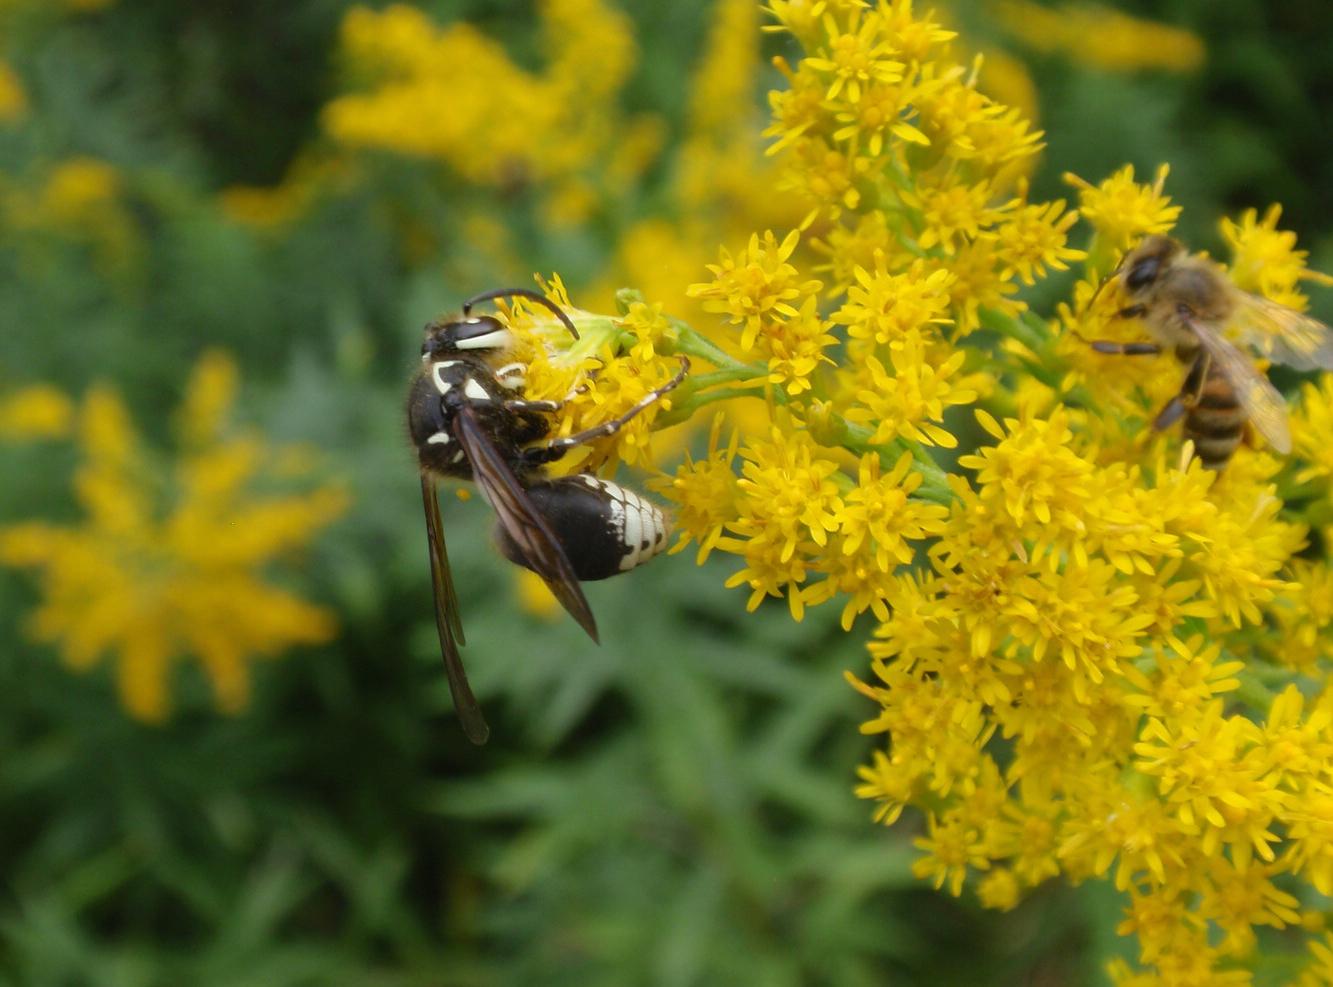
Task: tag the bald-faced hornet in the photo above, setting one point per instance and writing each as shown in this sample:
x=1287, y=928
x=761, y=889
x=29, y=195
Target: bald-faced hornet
x=468, y=423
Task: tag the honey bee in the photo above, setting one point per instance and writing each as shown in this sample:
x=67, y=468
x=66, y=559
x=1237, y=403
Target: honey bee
x=1190, y=307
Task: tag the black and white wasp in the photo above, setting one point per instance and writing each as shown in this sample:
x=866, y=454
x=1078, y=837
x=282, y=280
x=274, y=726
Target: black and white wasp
x=469, y=422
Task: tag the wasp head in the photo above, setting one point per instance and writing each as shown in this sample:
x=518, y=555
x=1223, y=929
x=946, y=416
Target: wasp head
x=479, y=332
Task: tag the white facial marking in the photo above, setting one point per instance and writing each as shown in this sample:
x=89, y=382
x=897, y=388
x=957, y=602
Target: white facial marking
x=439, y=438
x=496, y=340
x=475, y=391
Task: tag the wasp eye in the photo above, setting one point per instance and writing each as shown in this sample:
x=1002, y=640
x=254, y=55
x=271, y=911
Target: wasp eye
x=1143, y=274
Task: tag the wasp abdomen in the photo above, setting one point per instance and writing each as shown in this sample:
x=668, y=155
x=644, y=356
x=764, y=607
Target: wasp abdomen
x=603, y=528
x=1216, y=423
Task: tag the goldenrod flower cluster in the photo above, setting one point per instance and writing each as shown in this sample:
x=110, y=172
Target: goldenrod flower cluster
x=168, y=560
x=1093, y=658
x=452, y=94
x=615, y=363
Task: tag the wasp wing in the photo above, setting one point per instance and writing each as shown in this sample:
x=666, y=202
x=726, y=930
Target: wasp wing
x=447, y=620
x=1263, y=403
x=520, y=518
x=1281, y=333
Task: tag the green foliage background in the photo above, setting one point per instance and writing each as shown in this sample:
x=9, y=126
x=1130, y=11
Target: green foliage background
x=672, y=808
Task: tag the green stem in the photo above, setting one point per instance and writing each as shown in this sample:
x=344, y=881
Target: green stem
x=1007, y=325
x=693, y=344
x=857, y=438
x=935, y=483
x=683, y=410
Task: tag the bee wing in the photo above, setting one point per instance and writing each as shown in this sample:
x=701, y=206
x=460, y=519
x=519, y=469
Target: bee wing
x=1263, y=403
x=521, y=519
x=447, y=620
x=1281, y=333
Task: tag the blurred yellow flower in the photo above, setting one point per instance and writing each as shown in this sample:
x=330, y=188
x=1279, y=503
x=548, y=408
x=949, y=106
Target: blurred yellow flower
x=535, y=597
x=454, y=95
x=13, y=99
x=169, y=561
x=79, y=199
x=1100, y=36
x=36, y=412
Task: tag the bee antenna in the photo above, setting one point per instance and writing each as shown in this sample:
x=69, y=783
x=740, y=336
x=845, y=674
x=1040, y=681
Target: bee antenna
x=527, y=293
x=1100, y=284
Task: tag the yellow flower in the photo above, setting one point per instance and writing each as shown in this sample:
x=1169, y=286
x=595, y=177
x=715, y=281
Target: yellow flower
x=1032, y=239
x=853, y=58
x=612, y=367
x=494, y=123
x=1265, y=259
x=13, y=100
x=1312, y=432
x=149, y=577
x=952, y=210
x=1100, y=36
x=796, y=347
x=1122, y=211
x=534, y=596
x=1320, y=972
x=950, y=849
x=36, y=412
x=788, y=493
x=756, y=287
x=1034, y=469
x=911, y=401
x=1185, y=680
x=706, y=494
x=884, y=307
x=880, y=517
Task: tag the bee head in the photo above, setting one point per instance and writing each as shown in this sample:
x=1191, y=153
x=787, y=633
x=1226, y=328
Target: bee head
x=1146, y=262
x=478, y=332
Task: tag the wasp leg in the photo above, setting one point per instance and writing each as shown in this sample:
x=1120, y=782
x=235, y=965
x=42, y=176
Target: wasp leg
x=555, y=449
x=1125, y=349
x=1188, y=396
x=521, y=406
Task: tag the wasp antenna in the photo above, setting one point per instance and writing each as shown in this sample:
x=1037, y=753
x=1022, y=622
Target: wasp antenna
x=527, y=293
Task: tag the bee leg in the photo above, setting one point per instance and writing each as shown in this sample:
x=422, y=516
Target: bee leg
x=1188, y=396
x=1129, y=312
x=1170, y=414
x=558, y=447
x=1125, y=349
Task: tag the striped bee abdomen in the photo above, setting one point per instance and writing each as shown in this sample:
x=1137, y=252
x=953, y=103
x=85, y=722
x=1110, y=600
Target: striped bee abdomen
x=603, y=528
x=1216, y=422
